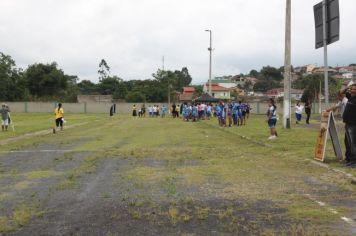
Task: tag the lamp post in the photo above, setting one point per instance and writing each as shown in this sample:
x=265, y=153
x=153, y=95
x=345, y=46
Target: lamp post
x=287, y=69
x=210, y=49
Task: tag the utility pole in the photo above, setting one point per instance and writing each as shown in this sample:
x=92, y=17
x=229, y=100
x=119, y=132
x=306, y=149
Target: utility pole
x=287, y=69
x=169, y=86
x=210, y=49
x=326, y=67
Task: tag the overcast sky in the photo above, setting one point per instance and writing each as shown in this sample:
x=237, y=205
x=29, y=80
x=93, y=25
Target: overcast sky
x=134, y=35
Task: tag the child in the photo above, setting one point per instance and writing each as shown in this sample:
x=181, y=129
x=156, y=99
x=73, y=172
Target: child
x=272, y=118
x=298, y=112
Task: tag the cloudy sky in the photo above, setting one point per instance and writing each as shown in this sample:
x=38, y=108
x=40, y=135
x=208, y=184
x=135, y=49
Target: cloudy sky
x=134, y=35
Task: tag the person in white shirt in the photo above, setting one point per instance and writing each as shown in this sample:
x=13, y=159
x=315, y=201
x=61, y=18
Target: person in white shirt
x=298, y=112
x=342, y=101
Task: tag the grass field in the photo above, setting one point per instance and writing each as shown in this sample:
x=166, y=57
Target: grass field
x=153, y=176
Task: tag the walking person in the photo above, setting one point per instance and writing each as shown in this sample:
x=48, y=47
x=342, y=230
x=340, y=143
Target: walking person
x=308, y=107
x=5, y=117
x=349, y=118
x=59, y=115
x=272, y=118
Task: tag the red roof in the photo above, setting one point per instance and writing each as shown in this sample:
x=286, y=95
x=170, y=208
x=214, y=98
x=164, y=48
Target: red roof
x=188, y=89
x=216, y=87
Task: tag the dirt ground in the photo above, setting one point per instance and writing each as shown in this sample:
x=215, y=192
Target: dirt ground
x=52, y=188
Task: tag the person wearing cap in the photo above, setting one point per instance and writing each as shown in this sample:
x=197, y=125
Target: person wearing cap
x=4, y=110
x=349, y=118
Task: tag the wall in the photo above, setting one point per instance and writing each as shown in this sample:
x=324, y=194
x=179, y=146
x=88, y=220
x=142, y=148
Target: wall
x=257, y=107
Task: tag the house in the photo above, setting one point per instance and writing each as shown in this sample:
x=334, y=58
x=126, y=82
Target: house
x=347, y=69
x=187, y=94
x=218, y=91
x=253, y=80
x=296, y=94
x=320, y=70
x=279, y=92
x=310, y=68
x=275, y=93
x=225, y=82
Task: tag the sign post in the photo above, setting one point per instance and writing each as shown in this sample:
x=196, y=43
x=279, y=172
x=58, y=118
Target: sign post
x=327, y=126
x=327, y=31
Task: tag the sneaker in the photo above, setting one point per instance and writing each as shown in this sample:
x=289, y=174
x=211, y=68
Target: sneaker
x=272, y=137
x=351, y=164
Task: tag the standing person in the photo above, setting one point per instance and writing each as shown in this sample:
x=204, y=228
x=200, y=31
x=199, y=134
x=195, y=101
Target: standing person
x=59, y=114
x=177, y=110
x=174, y=110
x=134, y=110
x=243, y=108
x=208, y=111
x=349, y=118
x=5, y=116
x=143, y=110
x=272, y=118
x=308, y=107
x=298, y=112
x=229, y=113
x=342, y=101
x=248, y=109
x=163, y=111
x=149, y=110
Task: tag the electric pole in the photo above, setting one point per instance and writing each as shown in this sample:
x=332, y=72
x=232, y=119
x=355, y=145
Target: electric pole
x=287, y=69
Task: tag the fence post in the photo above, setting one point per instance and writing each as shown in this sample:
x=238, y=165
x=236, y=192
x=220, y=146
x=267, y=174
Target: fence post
x=85, y=107
x=258, y=107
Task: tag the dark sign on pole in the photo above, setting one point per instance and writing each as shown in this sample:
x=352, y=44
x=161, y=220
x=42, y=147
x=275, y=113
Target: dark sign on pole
x=332, y=22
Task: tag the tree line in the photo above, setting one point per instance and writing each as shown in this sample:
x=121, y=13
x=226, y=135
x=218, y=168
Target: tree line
x=47, y=82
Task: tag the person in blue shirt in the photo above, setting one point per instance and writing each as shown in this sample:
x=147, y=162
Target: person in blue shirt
x=229, y=113
x=195, y=113
x=243, y=108
x=163, y=111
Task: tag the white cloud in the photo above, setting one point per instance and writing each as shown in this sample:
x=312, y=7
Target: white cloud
x=133, y=35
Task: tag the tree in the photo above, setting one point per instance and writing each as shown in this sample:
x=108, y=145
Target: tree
x=248, y=86
x=271, y=73
x=104, y=70
x=87, y=87
x=12, y=83
x=109, y=85
x=183, y=78
x=254, y=73
x=135, y=96
x=46, y=80
x=311, y=85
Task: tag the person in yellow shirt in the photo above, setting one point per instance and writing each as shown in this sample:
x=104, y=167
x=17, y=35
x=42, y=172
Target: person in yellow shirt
x=59, y=113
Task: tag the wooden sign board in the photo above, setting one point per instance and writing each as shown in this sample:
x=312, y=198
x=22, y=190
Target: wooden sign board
x=327, y=126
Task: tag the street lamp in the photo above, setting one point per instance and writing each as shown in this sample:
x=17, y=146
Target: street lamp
x=210, y=49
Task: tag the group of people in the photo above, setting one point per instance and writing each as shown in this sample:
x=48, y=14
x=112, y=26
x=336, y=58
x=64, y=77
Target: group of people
x=196, y=111
x=5, y=117
x=153, y=111
x=347, y=108
x=232, y=113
